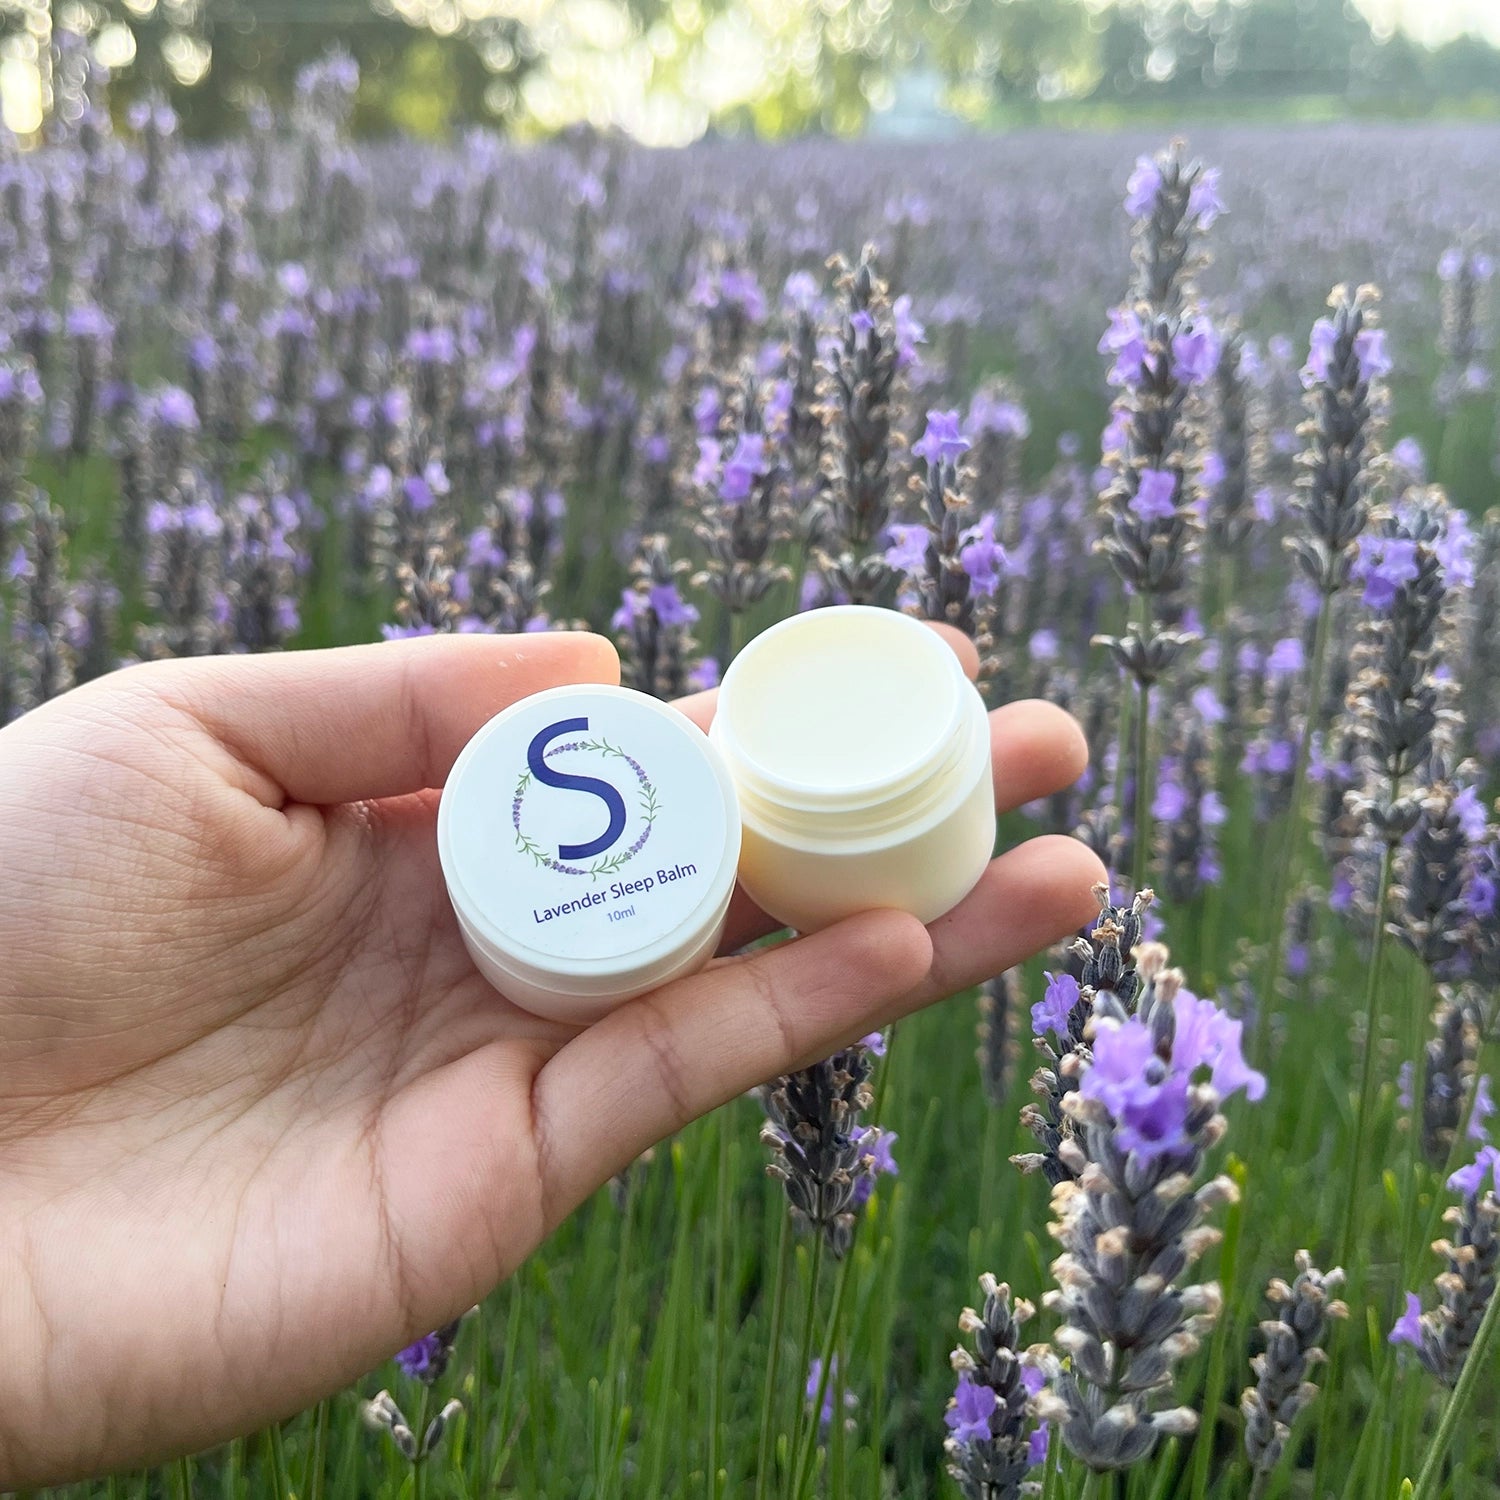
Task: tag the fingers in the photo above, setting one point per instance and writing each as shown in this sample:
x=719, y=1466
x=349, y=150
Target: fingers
x=370, y=721
x=649, y=1067
x=660, y=1061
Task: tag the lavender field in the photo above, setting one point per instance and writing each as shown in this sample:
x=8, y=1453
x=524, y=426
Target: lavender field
x=1195, y=440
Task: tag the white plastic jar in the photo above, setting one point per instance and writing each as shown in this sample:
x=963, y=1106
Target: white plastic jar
x=861, y=757
x=589, y=838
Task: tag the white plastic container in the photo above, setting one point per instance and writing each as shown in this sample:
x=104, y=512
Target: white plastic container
x=589, y=838
x=861, y=756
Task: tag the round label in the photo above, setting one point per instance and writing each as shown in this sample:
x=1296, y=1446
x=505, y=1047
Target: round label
x=584, y=824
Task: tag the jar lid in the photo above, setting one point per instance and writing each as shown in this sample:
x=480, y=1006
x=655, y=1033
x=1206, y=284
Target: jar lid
x=589, y=837
x=842, y=710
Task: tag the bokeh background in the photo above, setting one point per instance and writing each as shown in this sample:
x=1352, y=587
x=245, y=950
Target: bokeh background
x=671, y=71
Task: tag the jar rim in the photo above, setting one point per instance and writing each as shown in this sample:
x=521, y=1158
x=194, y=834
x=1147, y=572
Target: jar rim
x=752, y=774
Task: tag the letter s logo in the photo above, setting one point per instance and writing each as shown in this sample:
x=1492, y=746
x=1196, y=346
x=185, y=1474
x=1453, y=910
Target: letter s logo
x=590, y=784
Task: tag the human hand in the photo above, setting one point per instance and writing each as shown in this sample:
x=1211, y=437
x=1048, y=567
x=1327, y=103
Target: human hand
x=262, y=1122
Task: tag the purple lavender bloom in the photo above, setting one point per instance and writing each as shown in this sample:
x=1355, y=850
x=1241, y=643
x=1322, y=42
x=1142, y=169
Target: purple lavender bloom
x=1469, y=1180
x=1204, y=202
x=705, y=675
x=671, y=608
x=1370, y=351
x=417, y=1359
x=814, y=1379
x=1472, y=816
x=1044, y=645
x=1286, y=658
x=1207, y=706
x=1126, y=340
x=1051, y=1012
x=1408, y=1329
x=1153, y=497
x=800, y=293
x=1195, y=355
x=874, y=1044
x=991, y=413
x=876, y=1144
x=1207, y=1037
x=968, y=1419
x=1171, y=800
x=1384, y=565
x=708, y=462
x=745, y=465
x=1454, y=550
x=1142, y=187
x=706, y=411
x=981, y=556
x=86, y=321
x=909, y=332
x=632, y=606
x=1481, y=1109
x=1407, y=456
x=1404, y=1076
x=942, y=442
x=1325, y=339
x=907, y=551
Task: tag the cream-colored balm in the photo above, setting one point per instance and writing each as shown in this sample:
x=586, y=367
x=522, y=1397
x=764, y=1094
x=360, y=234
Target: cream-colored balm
x=861, y=756
x=589, y=838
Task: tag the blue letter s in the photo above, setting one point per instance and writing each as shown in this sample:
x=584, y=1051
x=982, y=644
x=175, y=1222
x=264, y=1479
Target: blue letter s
x=590, y=784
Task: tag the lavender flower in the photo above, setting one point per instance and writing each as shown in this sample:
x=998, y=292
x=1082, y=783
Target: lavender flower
x=1129, y=1222
x=1294, y=1347
x=994, y=1438
x=1442, y=1335
x=820, y=1146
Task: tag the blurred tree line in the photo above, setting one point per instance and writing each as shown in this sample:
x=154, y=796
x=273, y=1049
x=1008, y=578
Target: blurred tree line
x=430, y=65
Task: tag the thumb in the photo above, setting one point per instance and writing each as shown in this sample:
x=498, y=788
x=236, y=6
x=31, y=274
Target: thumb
x=358, y=722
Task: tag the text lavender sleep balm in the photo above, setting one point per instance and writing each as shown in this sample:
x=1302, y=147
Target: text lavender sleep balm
x=861, y=756
x=588, y=838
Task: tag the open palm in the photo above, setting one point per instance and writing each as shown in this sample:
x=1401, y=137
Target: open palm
x=261, y=1121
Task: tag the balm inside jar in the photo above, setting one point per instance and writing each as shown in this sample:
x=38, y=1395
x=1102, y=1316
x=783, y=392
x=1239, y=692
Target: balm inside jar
x=860, y=754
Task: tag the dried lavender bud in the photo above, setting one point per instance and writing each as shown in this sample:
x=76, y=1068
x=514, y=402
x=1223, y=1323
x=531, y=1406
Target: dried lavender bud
x=1432, y=868
x=1173, y=199
x=653, y=623
x=1294, y=1346
x=951, y=557
x=1443, y=1336
x=741, y=526
x=1187, y=811
x=998, y=1032
x=862, y=371
x=1230, y=487
x=96, y=615
x=819, y=1143
x=1450, y=1060
x=1104, y=963
x=42, y=621
x=997, y=426
x=1464, y=329
x=1346, y=402
x=1397, y=696
x=994, y=1441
